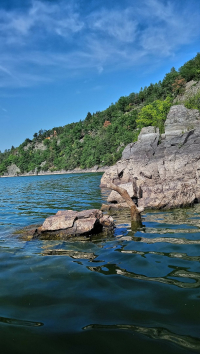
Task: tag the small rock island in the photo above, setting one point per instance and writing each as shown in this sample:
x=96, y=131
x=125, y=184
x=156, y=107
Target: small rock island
x=69, y=223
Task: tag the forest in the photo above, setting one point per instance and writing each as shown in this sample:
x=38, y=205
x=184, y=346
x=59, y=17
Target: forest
x=101, y=137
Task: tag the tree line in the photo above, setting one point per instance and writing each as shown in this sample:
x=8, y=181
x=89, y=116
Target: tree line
x=101, y=137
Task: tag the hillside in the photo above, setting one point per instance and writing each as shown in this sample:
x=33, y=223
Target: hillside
x=101, y=137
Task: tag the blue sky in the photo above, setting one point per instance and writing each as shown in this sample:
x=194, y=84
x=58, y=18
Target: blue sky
x=61, y=59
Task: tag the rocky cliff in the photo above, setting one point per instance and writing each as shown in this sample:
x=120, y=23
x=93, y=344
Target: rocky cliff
x=161, y=171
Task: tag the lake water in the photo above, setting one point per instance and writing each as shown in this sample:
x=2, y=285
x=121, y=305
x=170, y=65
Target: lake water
x=130, y=292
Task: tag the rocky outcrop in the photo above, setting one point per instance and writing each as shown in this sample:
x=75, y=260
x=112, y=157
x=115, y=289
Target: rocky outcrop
x=191, y=88
x=28, y=146
x=148, y=140
x=180, y=120
x=68, y=223
x=37, y=146
x=40, y=146
x=13, y=170
x=164, y=171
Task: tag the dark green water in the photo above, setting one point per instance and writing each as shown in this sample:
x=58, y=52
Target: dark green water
x=132, y=292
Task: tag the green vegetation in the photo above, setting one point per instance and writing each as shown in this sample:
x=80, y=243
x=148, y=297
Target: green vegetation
x=193, y=102
x=101, y=137
x=154, y=114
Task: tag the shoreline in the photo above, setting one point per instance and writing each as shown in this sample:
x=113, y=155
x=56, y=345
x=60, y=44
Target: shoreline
x=62, y=172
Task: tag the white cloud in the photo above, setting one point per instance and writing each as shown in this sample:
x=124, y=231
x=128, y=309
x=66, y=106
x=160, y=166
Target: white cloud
x=120, y=25
x=50, y=41
x=168, y=27
x=38, y=21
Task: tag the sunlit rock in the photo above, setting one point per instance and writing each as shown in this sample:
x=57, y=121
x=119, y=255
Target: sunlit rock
x=164, y=171
x=68, y=223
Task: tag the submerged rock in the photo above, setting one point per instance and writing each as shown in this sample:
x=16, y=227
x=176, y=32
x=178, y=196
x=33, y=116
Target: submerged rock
x=67, y=223
x=164, y=171
x=70, y=253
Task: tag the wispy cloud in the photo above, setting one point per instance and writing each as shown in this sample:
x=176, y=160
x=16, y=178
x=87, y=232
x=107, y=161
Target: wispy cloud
x=168, y=26
x=40, y=20
x=47, y=41
x=120, y=25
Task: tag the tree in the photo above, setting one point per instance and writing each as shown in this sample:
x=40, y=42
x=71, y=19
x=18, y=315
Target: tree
x=191, y=69
x=178, y=85
x=88, y=117
x=168, y=81
x=122, y=103
x=154, y=114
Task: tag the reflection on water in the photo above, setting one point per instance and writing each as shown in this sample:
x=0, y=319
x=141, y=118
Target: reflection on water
x=51, y=290
x=170, y=255
x=188, y=276
x=184, y=216
x=154, y=333
x=16, y=322
x=167, y=239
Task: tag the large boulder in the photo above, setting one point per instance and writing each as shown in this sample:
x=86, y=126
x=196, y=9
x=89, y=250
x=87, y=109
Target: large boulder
x=73, y=222
x=164, y=172
x=68, y=223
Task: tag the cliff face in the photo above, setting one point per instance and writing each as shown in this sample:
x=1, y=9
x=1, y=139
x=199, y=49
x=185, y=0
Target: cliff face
x=162, y=170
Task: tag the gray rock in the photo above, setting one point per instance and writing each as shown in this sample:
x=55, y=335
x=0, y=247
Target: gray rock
x=147, y=142
x=148, y=134
x=13, y=170
x=180, y=120
x=40, y=146
x=67, y=223
x=116, y=197
x=27, y=146
x=191, y=88
x=62, y=220
x=165, y=173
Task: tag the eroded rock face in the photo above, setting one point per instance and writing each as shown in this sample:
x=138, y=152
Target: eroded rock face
x=180, y=120
x=68, y=223
x=164, y=172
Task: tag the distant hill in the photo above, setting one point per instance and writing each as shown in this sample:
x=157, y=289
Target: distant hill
x=101, y=137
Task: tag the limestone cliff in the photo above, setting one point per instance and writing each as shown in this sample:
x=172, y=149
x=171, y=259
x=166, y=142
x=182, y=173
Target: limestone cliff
x=162, y=171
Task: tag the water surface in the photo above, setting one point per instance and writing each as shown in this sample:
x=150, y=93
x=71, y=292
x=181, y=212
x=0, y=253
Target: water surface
x=130, y=292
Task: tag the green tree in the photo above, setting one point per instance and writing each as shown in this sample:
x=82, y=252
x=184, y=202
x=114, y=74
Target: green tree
x=154, y=114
